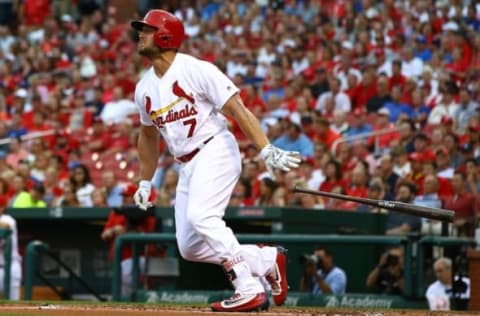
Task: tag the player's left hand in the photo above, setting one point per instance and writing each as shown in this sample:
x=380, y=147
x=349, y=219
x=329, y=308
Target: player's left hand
x=276, y=158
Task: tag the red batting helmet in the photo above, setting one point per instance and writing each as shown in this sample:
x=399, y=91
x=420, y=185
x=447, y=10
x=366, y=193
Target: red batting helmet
x=169, y=29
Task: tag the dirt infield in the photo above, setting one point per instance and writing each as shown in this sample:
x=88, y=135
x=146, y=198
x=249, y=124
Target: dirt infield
x=150, y=310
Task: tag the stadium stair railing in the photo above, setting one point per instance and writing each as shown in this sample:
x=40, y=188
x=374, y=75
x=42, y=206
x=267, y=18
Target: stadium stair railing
x=33, y=250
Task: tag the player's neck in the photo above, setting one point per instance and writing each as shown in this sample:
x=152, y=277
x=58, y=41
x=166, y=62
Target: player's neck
x=163, y=62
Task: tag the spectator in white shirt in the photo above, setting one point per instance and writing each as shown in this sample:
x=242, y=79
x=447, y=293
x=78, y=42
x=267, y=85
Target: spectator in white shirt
x=401, y=164
x=345, y=69
x=447, y=107
x=341, y=101
x=412, y=67
x=237, y=65
x=266, y=56
x=441, y=291
x=442, y=158
x=300, y=61
x=117, y=110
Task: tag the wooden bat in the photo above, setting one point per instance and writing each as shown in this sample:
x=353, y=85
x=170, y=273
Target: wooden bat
x=416, y=210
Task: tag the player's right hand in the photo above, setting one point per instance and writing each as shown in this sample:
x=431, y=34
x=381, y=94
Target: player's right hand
x=142, y=195
x=276, y=158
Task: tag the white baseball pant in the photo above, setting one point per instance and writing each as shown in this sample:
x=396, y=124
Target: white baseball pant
x=203, y=193
x=15, y=280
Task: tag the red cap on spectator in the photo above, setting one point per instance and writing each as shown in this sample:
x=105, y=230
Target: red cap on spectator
x=446, y=120
x=358, y=112
x=462, y=169
x=379, y=52
x=428, y=156
x=474, y=127
x=309, y=160
x=415, y=156
x=129, y=189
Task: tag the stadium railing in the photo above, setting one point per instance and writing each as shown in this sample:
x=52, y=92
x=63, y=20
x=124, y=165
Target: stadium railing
x=374, y=134
x=32, y=264
x=137, y=240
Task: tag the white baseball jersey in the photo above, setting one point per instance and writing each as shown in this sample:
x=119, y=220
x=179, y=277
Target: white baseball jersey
x=184, y=104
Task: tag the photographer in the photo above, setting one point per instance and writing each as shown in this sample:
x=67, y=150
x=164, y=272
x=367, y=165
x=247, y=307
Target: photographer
x=387, y=276
x=440, y=292
x=321, y=275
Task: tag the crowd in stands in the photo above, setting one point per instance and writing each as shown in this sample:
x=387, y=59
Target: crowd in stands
x=379, y=97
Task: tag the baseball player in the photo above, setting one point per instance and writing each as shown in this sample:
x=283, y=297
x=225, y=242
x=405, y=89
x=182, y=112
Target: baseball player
x=184, y=99
x=8, y=222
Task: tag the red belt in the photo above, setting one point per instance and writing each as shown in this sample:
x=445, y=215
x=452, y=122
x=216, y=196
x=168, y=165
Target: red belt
x=190, y=155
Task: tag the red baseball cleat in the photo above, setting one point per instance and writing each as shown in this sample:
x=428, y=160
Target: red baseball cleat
x=278, y=277
x=242, y=303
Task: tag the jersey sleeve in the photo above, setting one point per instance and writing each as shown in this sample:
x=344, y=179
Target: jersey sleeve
x=142, y=102
x=216, y=86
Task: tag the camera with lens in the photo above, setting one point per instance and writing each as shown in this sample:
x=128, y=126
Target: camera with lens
x=306, y=259
x=459, y=287
x=392, y=260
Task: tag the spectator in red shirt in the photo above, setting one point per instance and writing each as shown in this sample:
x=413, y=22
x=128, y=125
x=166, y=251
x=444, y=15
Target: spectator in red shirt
x=397, y=78
x=421, y=146
x=252, y=100
x=367, y=89
x=324, y=133
x=333, y=176
x=383, y=123
x=416, y=174
x=445, y=185
x=458, y=66
x=123, y=138
x=464, y=204
x=98, y=138
x=358, y=185
x=34, y=12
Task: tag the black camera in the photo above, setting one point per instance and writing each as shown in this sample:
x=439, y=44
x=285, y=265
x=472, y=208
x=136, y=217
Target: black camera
x=459, y=287
x=311, y=259
x=392, y=260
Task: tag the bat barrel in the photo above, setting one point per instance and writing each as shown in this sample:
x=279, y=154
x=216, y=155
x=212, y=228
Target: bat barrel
x=416, y=210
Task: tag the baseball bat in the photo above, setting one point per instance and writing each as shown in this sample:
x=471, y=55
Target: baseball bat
x=416, y=210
